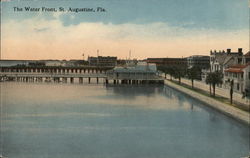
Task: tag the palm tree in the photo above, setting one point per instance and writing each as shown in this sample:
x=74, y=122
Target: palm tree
x=192, y=74
x=214, y=78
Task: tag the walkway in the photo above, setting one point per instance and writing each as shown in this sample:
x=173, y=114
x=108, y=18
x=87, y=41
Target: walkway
x=237, y=98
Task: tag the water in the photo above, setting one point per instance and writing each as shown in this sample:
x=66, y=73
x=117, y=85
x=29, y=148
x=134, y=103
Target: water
x=42, y=120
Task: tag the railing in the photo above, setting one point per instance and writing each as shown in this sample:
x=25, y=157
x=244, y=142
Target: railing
x=51, y=74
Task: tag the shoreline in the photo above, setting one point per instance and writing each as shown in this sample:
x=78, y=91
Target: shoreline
x=228, y=110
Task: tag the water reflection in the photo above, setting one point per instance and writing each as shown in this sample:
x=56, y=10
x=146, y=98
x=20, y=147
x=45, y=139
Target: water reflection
x=90, y=120
x=135, y=90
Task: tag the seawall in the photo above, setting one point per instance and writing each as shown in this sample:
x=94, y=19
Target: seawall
x=231, y=111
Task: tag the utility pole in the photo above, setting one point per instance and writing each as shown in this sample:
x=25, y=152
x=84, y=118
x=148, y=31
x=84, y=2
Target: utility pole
x=97, y=57
x=129, y=54
x=231, y=91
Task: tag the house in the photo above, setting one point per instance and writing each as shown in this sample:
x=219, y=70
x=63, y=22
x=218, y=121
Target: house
x=240, y=75
x=219, y=61
x=246, y=58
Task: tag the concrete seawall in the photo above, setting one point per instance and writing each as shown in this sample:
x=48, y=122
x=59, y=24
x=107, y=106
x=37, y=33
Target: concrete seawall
x=222, y=107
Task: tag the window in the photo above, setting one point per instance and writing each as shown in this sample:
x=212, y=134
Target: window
x=234, y=75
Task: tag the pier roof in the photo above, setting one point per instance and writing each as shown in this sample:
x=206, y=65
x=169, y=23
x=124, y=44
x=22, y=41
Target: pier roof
x=140, y=67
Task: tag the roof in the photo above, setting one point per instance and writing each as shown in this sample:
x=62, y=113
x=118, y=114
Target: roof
x=140, y=67
x=240, y=66
x=221, y=59
x=237, y=68
x=247, y=54
x=227, y=59
x=199, y=56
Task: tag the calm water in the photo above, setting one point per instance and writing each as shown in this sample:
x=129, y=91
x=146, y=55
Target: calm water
x=43, y=120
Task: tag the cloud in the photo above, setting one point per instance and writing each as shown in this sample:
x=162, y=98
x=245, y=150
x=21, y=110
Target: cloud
x=39, y=38
x=58, y=14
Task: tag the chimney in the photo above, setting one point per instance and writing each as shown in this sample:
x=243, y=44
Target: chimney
x=228, y=51
x=239, y=50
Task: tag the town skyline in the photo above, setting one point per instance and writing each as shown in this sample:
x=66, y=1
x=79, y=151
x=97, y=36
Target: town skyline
x=131, y=58
x=148, y=30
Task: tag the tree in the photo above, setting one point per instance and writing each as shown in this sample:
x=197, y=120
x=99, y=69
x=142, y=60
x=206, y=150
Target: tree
x=214, y=78
x=167, y=70
x=170, y=71
x=179, y=72
x=162, y=69
x=192, y=74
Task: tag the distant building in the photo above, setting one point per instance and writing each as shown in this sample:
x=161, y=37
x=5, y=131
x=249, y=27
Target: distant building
x=201, y=63
x=40, y=63
x=102, y=61
x=167, y=61
x=204, y=74
x=198, y=61
x=54, y=63
x=124, y=62
x=121, y=62
x=7, y=63
x=240, y=75
x=219, y=61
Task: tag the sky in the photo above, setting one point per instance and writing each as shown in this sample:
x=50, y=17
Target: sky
x=146, y=28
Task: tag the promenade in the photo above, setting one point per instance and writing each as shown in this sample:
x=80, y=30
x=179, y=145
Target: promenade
x=237, y=97
x=226, y=109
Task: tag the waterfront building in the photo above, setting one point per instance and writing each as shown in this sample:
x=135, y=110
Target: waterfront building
x=167, y=62
x=198, y=61
x=204, y=74
x=140, y=73
x=103, y=61
x=240, y=75
x=219, y=61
